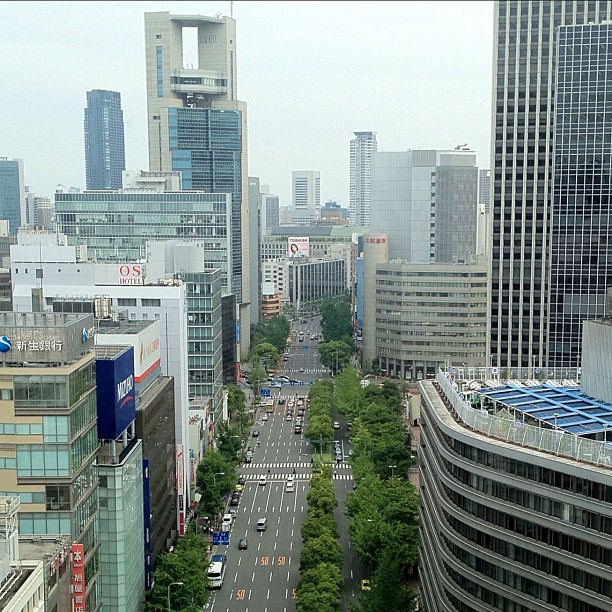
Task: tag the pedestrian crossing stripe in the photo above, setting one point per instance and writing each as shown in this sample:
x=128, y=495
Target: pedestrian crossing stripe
x=296, y=477
x=308, y=370
x=281, y=466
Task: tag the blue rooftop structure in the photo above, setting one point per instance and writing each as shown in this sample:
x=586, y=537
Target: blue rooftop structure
x=566, y=408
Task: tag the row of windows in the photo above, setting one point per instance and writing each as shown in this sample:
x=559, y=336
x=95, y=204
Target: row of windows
x=21, y=429
x=145, y=302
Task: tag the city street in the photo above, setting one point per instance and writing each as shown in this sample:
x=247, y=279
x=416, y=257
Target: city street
x=264, y=577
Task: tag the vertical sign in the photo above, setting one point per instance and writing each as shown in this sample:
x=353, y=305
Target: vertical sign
x=180, y=487
x=146, y=503
x=77, y=552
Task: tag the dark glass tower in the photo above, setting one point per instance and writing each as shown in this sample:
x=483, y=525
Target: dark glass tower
x=523, y=113
x=104, y=140
x=580, y=216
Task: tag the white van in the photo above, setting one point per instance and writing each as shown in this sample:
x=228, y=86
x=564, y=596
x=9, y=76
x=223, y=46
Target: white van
x=290, y=486
x=226, y=522
x=262, y=524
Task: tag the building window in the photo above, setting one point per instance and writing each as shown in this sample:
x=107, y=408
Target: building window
x=126, y=301
x=151, y=303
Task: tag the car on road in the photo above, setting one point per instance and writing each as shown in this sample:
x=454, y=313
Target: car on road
x=239, y=487
x=288, y=417
x=263, y=480
x=243, y=544
x=242, y=480
x=264, y=416
x=248, y=458
x=336, y=425
x=256, y=433
x=262, y=524
x=365, y=585
x=235, y=500
x=295, y=381
x=302, y=370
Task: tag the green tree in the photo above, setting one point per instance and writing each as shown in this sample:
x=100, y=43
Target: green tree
x=187, y=564
x=229, y=441
x=319, y=589
x=215, y=477
x=236, y=400
x=324, y=549
x=314, y=526
x=336, y=320
x=319, y=430
x=265, y=353
x=277, y=331
x=335, y=354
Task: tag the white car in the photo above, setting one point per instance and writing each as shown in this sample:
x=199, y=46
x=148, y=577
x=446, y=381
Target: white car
x=336, y=425
x=263, y=481
x=264, y=416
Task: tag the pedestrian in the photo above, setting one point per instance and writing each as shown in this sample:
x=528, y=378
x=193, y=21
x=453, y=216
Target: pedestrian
x=294, y=471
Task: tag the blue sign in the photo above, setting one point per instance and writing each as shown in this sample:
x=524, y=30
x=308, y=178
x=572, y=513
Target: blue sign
x=265, y=392
x=115, y=394
x=216, y=535
x=302, y=383
x=5, y=344
x=224, y=539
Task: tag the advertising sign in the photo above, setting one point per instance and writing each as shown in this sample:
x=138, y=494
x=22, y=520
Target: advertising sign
x=77, y=552
x=146, y=504
x=180, y=486
x=298, y=247
x=130, y=274
x=149, y=353
x=115, y=393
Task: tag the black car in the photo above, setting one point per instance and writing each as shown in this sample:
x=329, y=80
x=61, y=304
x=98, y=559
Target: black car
x=235, y=500
x=242, y=480
x=243, y=544
x=256, y=433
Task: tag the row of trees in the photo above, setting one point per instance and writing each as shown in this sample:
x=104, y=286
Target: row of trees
x=383, y=511
x=320, y=428
x=337, y=330
x=320, y=585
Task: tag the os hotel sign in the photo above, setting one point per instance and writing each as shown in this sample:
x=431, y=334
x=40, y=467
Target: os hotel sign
x=131, y=274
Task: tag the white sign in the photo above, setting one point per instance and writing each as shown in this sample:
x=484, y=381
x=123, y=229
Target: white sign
x=38, y=345
x=130, y=274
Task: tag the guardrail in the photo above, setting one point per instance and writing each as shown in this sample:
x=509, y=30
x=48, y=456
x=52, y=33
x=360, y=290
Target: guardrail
x=555, y=441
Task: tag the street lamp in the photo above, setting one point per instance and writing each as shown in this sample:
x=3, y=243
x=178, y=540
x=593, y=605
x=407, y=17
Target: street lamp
x=215, y=477
x=171, y=585
x=392, y=467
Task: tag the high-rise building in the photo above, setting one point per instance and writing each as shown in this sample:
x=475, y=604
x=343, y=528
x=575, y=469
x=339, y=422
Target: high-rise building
x=104, y=140
x=12, y=193
x=484, y=190
x=426, y=201
x=524, y=59
x=306, y=190
x=580, y=255
x=198, y=126
x=360, y=177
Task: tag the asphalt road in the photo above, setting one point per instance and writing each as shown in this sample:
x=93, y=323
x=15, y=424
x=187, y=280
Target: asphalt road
x=264, y=577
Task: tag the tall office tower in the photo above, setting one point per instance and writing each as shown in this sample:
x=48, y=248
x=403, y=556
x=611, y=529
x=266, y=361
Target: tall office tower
x=12, y=193
x=580, y=256
x=104, y=140
x=484, y=190
x=306, y=190
x=198, y=126
x=270, y=213
x=425, y=201
x=360, y=181
x=524, y=59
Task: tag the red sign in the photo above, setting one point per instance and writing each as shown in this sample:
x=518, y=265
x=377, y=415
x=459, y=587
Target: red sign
x=77, y=552
x=130, y=274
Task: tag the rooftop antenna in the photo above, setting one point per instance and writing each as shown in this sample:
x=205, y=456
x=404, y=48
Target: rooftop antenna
x=232, y=10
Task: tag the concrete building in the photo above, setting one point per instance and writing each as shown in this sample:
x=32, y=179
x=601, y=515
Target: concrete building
x=419, y=317
x=104, y=140
x=12, y=193
x=524, y=60
x=362, y=147
x=49, y=431
x=68, y=276
x=426, y=201
x=270, y=213
x=270, y=301
x=515, y=497
x=198, y=126
x=484, y=190
x=306, y=191
x=256, y=197
x=580, y=248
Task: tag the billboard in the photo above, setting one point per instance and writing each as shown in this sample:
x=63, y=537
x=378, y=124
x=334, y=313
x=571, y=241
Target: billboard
x=77, y=552
x=115, y=393
x=298, y=247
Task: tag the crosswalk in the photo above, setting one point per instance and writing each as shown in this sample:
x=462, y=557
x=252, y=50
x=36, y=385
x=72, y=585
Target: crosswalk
x=296, y=476
x=284, y=466
x=308, y=370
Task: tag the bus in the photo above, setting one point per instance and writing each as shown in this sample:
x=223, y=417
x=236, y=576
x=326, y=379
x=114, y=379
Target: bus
x=268, y=405
x=216, y=571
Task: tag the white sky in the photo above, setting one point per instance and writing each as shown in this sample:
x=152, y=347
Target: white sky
x=417, y=73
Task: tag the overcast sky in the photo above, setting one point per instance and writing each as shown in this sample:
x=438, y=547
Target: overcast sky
x=312, y=73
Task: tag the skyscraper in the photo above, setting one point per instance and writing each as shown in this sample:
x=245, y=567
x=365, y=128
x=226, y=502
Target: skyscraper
x=12, y=193
x=580, y=256
x=523, y=61
x=484, y=190
x=360, y=177
x=198, y=126
x=104, y=140
x=306, y=189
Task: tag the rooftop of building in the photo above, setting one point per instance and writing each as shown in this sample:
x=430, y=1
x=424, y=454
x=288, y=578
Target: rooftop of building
x=45, y=320
x=109, y=326
x=315, y=231
x=110, y=351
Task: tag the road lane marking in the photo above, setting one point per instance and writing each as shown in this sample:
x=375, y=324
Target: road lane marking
x=268, y=596
x=270, y=576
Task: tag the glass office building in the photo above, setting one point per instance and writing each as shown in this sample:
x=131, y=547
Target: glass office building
x=115, y=225
x=104, y=140
x=525, y=44
x=581, y=218
x=12, y=193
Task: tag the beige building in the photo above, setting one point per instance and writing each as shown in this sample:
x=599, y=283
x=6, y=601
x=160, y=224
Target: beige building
x=418, y=317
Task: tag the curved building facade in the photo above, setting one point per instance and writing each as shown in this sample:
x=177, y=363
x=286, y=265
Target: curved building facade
x=506, y=526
